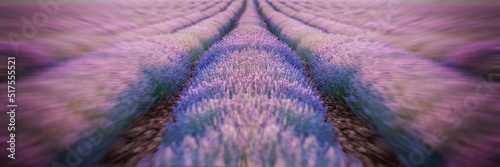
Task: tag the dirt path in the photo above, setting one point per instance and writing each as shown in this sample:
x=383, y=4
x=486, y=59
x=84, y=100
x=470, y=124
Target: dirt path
x=354, y=135
x=146, y=134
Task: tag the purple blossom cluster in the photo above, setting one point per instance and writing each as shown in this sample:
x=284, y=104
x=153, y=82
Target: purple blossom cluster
x=101, y=93
x=250, y=104
x=421, y=108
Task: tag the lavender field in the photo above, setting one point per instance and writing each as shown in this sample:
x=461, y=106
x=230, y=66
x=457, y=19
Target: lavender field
x=250, y=83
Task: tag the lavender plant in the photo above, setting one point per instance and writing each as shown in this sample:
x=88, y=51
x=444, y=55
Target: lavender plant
x=408, y=99
x=250, y=104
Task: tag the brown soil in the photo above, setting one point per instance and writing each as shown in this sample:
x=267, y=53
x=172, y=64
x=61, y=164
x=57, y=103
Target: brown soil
x=354, y=135
x=146, y=134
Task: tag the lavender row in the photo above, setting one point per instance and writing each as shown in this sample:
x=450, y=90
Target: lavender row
x=439, y=31
x=421, y=109
x=62, y=38
x=104, y=16
x=250, y=104
x=180, y=22
x=319, y=22
x=85, y=103
x=404, y=16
